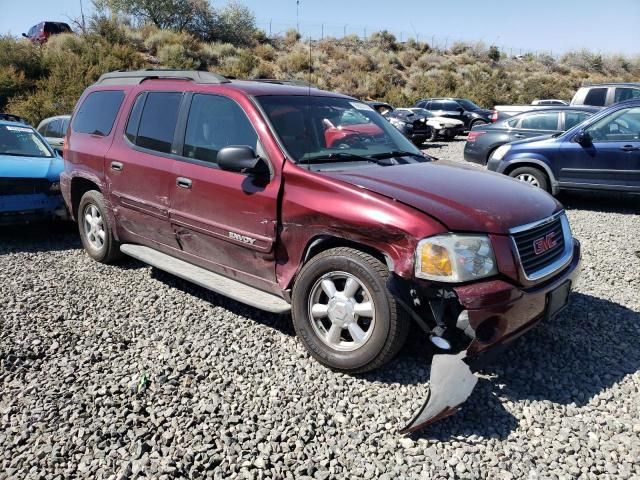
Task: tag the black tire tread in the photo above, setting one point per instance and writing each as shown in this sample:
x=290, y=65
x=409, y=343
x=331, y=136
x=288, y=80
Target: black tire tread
x=398, y=322
x=113, y=246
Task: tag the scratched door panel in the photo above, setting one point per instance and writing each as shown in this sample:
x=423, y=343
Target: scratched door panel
x=228, y=219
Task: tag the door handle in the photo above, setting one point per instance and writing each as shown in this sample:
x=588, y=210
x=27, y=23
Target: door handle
x=117, y=166
x=183, y=182
x=518, y=135
x=629, y=148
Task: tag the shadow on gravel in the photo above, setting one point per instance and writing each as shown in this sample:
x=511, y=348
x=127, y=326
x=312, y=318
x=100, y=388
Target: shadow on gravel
x=282, y=323
x=589, y=348
x=586, y=350
x=606, y=202
x=39, y=237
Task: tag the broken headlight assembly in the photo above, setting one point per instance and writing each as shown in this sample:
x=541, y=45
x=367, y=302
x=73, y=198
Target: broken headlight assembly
x=455, y=258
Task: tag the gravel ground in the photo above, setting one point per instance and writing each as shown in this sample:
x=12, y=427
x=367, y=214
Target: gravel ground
x=124, y=371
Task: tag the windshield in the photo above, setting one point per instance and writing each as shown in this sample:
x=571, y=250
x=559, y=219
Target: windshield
x=468, y=104
x=340, y=129
x=22, y=142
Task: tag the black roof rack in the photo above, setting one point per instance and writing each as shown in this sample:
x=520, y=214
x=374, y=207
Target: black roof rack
x=294, y=83
x=134, y=77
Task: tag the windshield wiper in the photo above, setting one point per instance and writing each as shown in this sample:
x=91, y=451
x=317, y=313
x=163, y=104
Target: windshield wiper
x=22, y=155
x=397, y=153
x=337, y=157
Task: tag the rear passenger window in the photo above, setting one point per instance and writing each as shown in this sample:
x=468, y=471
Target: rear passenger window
x=158, y=121
x=571, y=119
x=596, y=97
x=435, y=105
x=214, y=123
x=544, y=121
x=98, y=112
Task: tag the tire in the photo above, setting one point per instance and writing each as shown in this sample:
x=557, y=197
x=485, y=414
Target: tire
x=385, y=325
x=102, y=247
x=433, y=136
x=531, y=175
x=449, y=136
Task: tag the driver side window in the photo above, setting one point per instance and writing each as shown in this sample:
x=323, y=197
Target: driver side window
x=620, y=126
x=214, y=123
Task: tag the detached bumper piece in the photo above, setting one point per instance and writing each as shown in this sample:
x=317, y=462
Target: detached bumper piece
x=450, y=386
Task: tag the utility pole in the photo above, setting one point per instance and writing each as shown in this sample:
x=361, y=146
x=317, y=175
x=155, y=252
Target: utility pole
x=344, y=32
x=270, y=20
x=322, y=32
x=82, y=17
x=298, y=16
x=365, y=33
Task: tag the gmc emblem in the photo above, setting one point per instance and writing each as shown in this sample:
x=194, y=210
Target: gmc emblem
x=543, y=244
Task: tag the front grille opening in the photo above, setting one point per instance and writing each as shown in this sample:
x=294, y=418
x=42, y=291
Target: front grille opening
x=540, y=246
x=23, y=186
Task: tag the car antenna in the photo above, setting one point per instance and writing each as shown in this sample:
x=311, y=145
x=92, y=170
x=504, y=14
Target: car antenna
x=309, y=86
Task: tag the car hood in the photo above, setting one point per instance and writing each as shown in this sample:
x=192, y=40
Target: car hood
x=31, y=167
x=448, y=122
x=464, y=199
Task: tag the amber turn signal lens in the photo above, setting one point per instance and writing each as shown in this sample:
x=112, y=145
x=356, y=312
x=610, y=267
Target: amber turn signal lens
x=434, y=260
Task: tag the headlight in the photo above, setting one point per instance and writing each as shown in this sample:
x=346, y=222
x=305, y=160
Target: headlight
x=54, y=187
x=500, y=152
x=455, y=258
x=399, y=123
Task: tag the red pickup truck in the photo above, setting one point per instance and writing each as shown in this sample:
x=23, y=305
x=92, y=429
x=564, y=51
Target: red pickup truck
x=236, y=186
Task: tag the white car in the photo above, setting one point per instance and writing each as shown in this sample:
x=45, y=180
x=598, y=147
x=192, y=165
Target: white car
x=53, y=129
x=444, y=127
x=549, y=101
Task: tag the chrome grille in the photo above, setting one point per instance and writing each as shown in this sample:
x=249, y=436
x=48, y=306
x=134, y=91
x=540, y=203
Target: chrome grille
x=544, y=246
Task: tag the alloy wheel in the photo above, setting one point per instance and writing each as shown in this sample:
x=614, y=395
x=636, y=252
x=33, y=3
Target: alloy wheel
x=94, y=226
x=341, y=311
x=528, y=178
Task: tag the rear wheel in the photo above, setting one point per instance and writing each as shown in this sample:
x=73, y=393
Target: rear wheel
x=476, y=123
x=95, y=229
x=531, y=175
x=449, y=135
x=343, y=312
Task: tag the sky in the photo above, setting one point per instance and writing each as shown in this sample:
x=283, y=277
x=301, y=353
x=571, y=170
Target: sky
x=554, y=26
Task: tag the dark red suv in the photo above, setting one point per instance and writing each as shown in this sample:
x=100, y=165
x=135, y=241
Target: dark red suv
x=233, y=185
x=41, y=32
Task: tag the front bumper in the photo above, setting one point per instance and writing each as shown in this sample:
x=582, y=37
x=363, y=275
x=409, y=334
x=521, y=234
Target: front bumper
x=497, y=310
x=31, y=208
x=474, y=154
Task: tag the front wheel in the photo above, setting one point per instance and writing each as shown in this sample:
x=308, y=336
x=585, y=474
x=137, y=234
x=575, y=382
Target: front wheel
x=533, y=176
x=343, y=312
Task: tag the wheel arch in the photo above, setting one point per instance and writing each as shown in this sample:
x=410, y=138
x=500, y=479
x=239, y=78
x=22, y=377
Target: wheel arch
x=534, y=163
x=322, y=243
x=80, y=186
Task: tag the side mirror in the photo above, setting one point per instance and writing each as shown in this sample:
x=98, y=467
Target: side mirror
x=242, y=159
x=460, y=109
x=25, y=35
x=583, y=138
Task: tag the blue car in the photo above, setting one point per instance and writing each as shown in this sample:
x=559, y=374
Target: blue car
x=601, y=153
x=29, y=176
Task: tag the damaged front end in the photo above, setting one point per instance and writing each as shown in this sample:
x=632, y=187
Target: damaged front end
x=450, y=385
x=439, y=313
